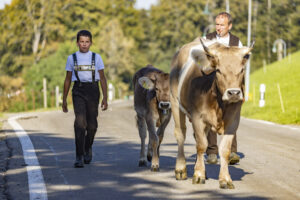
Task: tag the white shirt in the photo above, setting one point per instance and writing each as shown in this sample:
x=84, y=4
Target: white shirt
x=85, y=59
x=225, y=40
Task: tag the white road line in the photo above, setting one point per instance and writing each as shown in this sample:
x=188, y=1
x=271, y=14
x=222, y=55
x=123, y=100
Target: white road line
x=37, y=188
x=272, y=124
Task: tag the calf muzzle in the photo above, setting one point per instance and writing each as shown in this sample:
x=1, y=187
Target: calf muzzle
x=164, y=105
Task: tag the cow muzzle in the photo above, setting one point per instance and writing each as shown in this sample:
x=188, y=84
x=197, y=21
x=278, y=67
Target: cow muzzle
x=164, y=105
x=233, y=95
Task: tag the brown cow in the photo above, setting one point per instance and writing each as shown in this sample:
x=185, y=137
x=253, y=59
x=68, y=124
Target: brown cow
x=152, y=105
x=207, y=85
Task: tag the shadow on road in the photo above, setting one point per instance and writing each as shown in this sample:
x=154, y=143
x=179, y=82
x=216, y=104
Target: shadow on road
x=113, y=173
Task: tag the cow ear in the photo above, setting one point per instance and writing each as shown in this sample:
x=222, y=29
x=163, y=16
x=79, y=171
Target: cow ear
x=146, y=83
x=246, y=52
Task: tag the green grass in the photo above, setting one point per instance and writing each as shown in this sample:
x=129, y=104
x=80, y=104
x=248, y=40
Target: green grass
x=286, y=74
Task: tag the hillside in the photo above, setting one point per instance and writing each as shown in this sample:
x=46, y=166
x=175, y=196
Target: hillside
x=286, y=75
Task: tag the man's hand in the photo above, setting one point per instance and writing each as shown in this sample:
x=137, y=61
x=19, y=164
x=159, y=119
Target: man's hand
x=104, y=104
x=65, y=106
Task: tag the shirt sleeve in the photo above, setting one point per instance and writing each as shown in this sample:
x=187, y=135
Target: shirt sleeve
x=99, y=63
x=69, y=64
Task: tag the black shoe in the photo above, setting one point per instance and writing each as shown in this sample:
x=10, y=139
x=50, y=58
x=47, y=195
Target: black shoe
x=212, y=159
x=234, y=158
x=79, y=162
x=88, y=156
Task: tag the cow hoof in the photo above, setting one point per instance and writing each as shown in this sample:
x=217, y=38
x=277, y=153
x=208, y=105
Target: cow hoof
x=149, y=158
x=226, y=185
x=181, y=174
x=155, y=168
x=198, y=180
x=142, y=163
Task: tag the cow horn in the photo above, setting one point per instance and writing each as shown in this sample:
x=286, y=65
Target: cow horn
x=252, y=44
x=247, y=50
x=206, y=49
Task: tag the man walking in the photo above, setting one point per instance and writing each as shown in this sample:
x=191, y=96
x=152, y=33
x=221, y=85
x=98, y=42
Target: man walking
x=222, y=35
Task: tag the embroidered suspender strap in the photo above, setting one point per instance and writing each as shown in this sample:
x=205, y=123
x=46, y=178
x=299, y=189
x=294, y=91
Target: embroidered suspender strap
x=93, y=66
x=75, y=67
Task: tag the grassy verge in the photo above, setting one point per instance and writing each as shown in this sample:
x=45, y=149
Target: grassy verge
x=282, y=96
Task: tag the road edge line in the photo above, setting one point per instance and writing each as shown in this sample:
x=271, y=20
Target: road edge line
x=36, y=184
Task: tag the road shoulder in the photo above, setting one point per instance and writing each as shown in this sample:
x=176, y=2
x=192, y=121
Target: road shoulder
x=4, y=156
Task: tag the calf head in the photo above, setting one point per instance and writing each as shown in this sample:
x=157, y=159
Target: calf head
x=229, y=64
x=159, y=82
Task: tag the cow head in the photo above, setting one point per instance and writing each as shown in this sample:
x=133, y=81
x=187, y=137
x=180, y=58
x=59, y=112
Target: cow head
x=160, y=83
x=229, y=64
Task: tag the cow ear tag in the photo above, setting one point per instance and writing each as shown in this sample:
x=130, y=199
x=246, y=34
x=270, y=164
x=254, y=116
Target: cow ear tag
x=146, y=83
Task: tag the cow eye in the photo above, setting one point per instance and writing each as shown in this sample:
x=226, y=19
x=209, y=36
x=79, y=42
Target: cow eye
x=218, y=71
x=247, y=56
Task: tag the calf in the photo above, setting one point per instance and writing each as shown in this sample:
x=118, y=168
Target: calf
x=152, y=106
x=207, y=86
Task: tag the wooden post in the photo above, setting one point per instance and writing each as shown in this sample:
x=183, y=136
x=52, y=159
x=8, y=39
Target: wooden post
x=253, y=94
x=33, y=99
x=45, y=92
x=25, y=101
x=52, y=99
x=280, y=97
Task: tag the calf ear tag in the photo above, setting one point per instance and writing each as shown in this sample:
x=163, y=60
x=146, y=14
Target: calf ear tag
x=146, y=83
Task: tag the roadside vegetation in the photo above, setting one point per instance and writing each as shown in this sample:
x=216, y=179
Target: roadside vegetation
x=36, y=37
x=1, y=117
x=282, y=96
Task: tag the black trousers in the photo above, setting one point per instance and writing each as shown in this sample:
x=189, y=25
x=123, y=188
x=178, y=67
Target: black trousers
x=212, y=147
x=85, y=102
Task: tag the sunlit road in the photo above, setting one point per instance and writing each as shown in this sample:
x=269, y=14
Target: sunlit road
x=269, y=168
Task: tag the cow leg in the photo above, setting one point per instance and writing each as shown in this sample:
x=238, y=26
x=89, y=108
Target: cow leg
x=153, y=143
x=224, y=152
x=180, y=134
x=142, y=132
x=201, y=144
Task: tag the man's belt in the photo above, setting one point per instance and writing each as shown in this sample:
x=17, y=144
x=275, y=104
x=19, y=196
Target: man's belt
x=84, y=68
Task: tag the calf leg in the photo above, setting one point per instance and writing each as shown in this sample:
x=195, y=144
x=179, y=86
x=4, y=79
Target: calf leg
x=161, y=129
x=142, y=132
x=153, y=144
x=201, y=145
x=224, y=152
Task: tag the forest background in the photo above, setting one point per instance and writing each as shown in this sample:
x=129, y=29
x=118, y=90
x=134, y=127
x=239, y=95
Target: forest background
x=36, y=36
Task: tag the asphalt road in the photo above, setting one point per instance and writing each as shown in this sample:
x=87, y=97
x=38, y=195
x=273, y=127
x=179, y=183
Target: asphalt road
x=269, y=168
